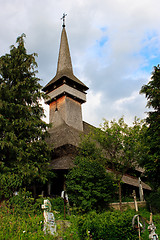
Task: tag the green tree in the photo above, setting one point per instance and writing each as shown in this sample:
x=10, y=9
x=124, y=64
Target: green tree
x=152, y=160
x=122, y=146
x=24, y=154
x=89, y=186
x=117, y=146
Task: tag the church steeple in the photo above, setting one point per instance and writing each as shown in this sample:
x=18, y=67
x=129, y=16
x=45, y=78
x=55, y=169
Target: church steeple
x=65, y=91
x=64, y=60
x=64, y=67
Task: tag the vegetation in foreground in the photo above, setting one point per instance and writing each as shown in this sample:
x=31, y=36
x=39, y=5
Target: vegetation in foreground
x=22, y=218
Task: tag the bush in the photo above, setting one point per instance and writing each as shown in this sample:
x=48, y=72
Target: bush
x=108, y=225
x=22, y=223
x=57, y=204
x=89, y=186
x=153, y=201
x=8, y=183
x=24, y=203
x=113, y=225
x=19, y=226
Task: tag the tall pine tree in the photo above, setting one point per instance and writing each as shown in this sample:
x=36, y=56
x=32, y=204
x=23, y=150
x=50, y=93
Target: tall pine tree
x=152, y=160
x=24, y=154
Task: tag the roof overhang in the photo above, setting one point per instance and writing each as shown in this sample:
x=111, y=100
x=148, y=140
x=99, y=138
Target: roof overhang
x=66, y=90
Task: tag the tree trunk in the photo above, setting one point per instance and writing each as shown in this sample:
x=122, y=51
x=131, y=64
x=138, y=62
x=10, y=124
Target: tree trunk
x=49, y=188
x=34, y=190
x=120, y=195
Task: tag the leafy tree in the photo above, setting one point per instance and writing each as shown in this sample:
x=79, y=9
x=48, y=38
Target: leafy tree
x=152, y=160
x=90, y=149
x=122, y=146
x=89, y=186
x=24, y=154
x=117, y=146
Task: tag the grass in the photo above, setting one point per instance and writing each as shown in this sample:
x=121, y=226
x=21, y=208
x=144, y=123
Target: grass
x=17, y=225
x=23, y=222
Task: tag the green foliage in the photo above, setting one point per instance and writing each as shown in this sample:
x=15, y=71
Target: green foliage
x=121, y=144
x=116, y=145
x=89, y=186
x=67, y=230
x=19, y=226
x=108, y=225
x=57, y=204
x=21, y=218
x=18, y=222
x=152, y=138
x=153, y=201
x=23, y=151
x=113, y=225
x=24, y=203
x=88, y=149
x=152, y=90
x=9, y=182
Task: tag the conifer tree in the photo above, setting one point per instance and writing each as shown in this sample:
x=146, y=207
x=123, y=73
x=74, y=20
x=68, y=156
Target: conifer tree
x=24, y=154
x=152, y=160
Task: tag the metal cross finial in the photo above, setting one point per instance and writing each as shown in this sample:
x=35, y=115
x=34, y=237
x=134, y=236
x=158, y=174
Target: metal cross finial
x=64, y=15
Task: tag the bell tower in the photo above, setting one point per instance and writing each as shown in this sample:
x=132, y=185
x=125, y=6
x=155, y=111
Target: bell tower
x=65, y=92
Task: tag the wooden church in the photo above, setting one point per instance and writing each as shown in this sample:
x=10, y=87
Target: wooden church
x=66, y=93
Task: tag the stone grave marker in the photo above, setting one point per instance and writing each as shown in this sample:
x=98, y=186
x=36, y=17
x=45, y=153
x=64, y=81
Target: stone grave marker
x=49, y=220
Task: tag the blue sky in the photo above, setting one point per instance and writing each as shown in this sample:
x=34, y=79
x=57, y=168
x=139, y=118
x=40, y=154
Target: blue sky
x=114, y=46
x=150, y=50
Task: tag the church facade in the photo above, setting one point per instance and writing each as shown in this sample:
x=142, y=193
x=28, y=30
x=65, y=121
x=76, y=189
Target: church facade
x=66, y=93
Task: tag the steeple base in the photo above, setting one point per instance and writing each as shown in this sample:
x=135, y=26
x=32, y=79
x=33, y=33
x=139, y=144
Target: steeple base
x=66, y=110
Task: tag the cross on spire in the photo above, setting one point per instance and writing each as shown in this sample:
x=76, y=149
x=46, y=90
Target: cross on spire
x=63, y=18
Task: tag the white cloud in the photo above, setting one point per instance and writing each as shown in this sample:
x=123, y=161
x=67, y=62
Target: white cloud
x=120, y=103
x=115, y=70
x=90, y=108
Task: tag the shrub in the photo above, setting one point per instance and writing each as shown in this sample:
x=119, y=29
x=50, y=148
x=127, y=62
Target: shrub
x=24, y=203
x=57, y=204
x=89, y=186
x=18, y=223
x=108, y=225
x=8, y=183
x=153, y=201
x=19, y=226
x=102, y=226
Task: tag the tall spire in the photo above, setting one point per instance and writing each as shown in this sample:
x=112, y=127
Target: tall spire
x=64, y=60
x=64, y=66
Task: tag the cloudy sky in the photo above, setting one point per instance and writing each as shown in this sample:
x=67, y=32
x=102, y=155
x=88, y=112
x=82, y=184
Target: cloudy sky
x=114, y=45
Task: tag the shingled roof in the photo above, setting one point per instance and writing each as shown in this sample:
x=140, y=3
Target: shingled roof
x=65, y=134
x=65, y=140
x=63, y=162
x=131, y=180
